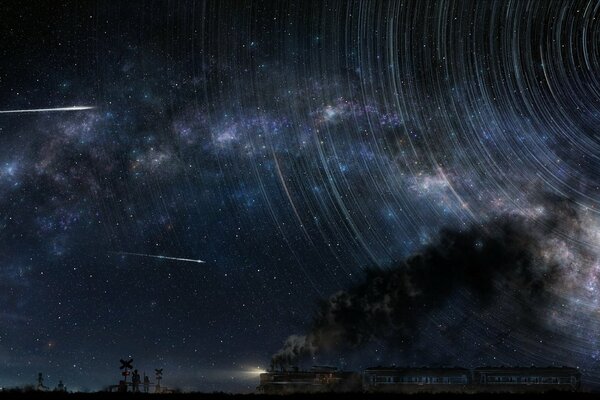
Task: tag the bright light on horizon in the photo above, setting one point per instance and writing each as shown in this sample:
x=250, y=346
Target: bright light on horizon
x=255, y=371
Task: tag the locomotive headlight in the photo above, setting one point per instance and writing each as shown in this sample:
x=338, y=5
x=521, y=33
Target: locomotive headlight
x=256, y=371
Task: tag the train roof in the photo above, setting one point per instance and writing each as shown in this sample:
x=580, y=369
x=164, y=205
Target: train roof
x=324, y=368
x=455, y=369
x=527, y=369
x=420, y=369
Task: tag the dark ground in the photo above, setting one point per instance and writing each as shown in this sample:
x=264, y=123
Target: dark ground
x=320, y=396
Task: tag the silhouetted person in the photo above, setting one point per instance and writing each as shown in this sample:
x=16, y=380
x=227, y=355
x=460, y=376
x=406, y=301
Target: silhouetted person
x=61, y=386
x=40, y=382
x=146, y=383
x=135, y=380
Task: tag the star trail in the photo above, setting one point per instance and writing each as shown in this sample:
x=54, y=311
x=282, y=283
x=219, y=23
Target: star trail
x=298, y=150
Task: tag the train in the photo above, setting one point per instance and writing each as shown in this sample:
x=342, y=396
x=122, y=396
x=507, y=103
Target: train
x=408, y=380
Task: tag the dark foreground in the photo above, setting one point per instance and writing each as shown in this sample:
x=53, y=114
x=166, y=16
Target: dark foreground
x=316, y=396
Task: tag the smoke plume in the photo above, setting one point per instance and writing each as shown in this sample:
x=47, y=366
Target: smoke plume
x=521, y=253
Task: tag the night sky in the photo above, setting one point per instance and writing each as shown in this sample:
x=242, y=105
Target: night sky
x=291, y=146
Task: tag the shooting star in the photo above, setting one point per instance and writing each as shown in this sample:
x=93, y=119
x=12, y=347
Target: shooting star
x=39, y=110
x=125, y=253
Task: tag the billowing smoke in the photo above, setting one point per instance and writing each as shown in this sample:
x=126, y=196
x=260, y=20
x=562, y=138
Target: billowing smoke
x=524, y=253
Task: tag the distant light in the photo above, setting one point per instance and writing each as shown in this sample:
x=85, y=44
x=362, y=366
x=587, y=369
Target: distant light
x=255, y=371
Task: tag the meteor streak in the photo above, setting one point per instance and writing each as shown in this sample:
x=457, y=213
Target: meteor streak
x=37, y=110
x=125, y=253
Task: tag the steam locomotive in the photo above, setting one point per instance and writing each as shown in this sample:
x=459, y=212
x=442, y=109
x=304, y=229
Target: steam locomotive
x=422, y=380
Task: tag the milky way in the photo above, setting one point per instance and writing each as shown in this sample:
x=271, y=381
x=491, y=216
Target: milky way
x=291, y=146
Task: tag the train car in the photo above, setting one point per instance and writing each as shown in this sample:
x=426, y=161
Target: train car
x=526, y=380
x=416, y=380
x=422, y=380
x=316, y=380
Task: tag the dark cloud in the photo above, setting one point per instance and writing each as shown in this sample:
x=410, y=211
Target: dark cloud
x=508, y=254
